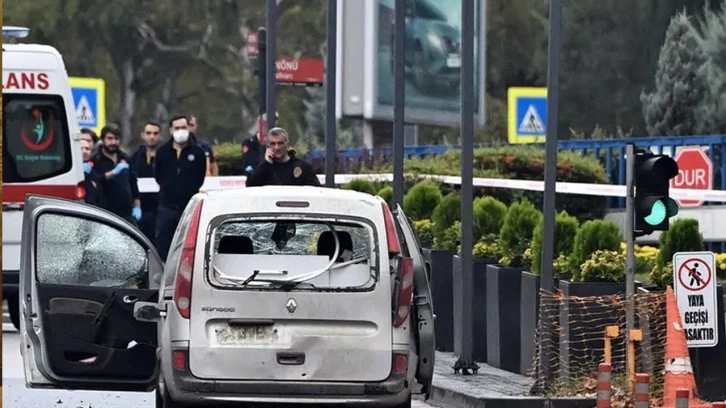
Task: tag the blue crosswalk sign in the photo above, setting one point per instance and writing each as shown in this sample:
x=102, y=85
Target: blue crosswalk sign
x=89, y=102
x=527, y=115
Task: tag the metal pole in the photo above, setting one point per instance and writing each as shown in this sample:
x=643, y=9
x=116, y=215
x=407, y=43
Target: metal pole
x=467, y=90
x=399, y=99
x=629, y=242
x=330, y=78
x=270, y=58
x=550, y=178
x=261, y=68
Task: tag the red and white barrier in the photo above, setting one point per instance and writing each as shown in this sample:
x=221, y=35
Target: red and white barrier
x=148, y=185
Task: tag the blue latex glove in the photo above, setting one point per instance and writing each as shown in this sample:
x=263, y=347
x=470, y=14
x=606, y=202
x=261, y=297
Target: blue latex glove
x=119, y=168
x=86, y=168
x=136, y=212
x=249, y=170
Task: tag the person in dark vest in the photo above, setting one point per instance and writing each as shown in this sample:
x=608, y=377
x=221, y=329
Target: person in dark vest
x=142, y=164
x=110, y=165
x=280, y=166
x=180, y=168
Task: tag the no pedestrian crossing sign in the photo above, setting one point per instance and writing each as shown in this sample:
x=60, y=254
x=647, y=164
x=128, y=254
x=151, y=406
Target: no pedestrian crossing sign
x=694, y=283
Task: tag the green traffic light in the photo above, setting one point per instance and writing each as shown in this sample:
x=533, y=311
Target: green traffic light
x=658, y=213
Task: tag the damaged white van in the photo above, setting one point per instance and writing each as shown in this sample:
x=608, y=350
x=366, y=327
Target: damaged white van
x=270, y=294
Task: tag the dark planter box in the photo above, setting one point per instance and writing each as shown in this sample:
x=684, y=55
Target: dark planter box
x=476, y=309
x=442, y=294
x=529, y=317
x=582, y=326
x=709, y=363
x=503, y=288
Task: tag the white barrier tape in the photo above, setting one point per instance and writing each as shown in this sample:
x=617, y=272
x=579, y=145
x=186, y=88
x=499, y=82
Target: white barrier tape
x=148, y=185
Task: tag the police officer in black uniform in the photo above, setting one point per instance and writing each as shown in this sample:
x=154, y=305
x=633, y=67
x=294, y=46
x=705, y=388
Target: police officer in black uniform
x=110, y=166
x=180, y=169
x=142, y=164
x=281, y=167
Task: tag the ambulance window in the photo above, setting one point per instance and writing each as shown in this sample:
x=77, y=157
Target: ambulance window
x=36, y=144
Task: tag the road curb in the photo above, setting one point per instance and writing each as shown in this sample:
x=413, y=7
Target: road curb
x=459, y=399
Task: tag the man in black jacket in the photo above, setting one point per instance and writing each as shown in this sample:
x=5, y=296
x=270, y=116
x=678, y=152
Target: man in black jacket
x=119, y=186
x=142, y=164
x=180, y=169
x=281, y=167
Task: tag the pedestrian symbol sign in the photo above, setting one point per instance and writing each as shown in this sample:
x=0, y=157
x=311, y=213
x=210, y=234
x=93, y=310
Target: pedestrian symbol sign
x=531, y=123
x=89, y=99
x=527, y=115
x=695, y=288
x=85, y=113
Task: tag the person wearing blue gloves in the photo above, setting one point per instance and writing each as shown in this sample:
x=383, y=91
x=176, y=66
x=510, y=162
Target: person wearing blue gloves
x=94, y=194
x=118, y=182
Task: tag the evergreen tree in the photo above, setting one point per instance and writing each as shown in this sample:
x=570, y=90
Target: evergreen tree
x=712, y=36
x=674, y=108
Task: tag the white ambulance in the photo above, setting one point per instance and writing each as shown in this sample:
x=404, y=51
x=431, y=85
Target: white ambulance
x=41, y=147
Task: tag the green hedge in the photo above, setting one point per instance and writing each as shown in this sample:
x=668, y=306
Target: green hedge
x=511, y=162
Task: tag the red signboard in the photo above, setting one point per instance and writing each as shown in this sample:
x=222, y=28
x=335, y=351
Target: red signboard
x=308, y=71
x=252, y=46
x=695, y=171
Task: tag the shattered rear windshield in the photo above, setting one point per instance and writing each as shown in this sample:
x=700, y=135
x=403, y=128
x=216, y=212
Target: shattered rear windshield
x=293, y=254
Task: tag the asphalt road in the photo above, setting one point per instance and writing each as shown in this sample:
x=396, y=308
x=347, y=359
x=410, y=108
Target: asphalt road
x=17, y=396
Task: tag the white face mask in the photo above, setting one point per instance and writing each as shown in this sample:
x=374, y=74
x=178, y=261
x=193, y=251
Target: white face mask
x=181, y=135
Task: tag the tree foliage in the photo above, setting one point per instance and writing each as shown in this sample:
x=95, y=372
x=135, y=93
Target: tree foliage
x=672, y=108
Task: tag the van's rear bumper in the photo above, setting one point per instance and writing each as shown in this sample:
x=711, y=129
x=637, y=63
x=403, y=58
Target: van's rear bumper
x=186, y=388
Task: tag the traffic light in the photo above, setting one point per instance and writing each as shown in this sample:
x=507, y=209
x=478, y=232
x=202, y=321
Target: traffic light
x=653, y=206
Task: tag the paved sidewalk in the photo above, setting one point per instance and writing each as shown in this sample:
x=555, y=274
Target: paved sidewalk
x=490, y=388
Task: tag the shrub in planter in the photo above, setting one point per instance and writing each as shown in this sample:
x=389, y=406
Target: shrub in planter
x=362, y=185
x=447, y=212
x=721, y=266
x=421, y=200
x=449, y=238
x=565, y=231
x=683, y=235
x=386, y=193
x=604, y=266
x=662, y=276
x=489, y=214
x=424, y=230
x=516, y=234
x=593, y=235
x=486, y=249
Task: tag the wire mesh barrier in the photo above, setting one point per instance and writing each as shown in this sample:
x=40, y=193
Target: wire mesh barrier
x=576, y=334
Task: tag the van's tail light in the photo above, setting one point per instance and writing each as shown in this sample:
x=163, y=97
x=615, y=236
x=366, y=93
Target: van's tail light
x=405, y=292
x=400, y=363
x=394, y=246
x=81, y=190
x=404, y=287
x=185, y=267
x=179, y=359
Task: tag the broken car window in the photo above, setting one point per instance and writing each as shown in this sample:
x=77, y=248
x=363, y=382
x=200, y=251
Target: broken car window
x=79, y=251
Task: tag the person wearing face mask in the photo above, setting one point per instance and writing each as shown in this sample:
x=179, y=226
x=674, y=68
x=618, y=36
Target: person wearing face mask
x=180, y=168
x=142, y=164
x=118, y=183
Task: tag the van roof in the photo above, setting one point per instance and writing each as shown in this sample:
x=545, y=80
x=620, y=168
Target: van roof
x=292, y=193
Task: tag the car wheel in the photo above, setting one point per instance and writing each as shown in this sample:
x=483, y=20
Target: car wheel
x=163, y=399
x=406, y=404
x=14, y=311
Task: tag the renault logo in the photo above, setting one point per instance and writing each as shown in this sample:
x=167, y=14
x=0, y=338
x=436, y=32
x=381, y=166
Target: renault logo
x=291, y=305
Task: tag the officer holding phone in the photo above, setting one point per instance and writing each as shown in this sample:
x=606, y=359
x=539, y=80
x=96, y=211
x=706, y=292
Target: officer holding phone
x=281, y=167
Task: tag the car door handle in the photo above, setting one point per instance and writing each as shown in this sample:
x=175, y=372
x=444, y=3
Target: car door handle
x=291, y=358
x=130, y=299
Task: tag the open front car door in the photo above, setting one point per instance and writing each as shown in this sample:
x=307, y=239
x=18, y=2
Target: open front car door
x=82, y=270
x=423, y=311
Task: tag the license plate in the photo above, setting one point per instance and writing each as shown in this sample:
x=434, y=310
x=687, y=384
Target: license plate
x=453, y=61
x=237, y=336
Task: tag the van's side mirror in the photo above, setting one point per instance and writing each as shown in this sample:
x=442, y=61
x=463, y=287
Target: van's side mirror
x=148, y=312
